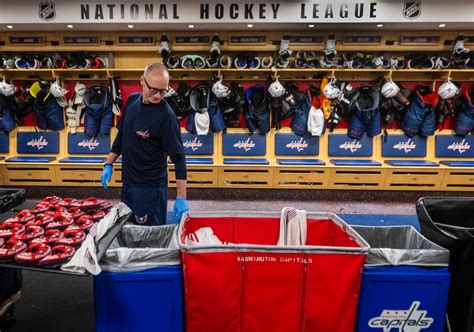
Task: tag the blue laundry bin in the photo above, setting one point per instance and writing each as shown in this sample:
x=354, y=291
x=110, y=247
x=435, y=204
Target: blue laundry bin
x=405, y=282
x=141, y=286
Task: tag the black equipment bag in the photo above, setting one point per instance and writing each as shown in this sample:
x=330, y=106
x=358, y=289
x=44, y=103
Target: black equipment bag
x=449, y=222
x=11, y=282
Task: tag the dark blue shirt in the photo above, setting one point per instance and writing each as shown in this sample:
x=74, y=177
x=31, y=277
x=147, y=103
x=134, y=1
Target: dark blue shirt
x=147, y=134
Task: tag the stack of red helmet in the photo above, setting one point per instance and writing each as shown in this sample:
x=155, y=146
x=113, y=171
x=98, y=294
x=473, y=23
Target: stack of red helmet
x=48, y=235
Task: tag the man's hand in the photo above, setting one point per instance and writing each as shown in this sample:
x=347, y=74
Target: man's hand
x=106, y=175
x=180, y=206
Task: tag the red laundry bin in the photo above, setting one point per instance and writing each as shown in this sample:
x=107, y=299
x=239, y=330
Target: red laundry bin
x=252, y=284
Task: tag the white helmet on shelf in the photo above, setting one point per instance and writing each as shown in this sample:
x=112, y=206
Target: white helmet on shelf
x=448, y=90
x=220, y=90
x=7, y=89
x=276, y=89
x=331, y=91
x=389, y=89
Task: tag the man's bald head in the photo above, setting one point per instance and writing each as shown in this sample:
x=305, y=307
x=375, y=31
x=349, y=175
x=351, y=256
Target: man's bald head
x=157, y=70
x=155, y=77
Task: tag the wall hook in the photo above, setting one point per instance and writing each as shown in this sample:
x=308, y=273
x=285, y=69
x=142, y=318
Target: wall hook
x=275, y=75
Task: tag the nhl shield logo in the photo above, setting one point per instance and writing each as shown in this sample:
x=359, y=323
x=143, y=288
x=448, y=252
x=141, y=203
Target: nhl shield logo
x=412, y=9
x=47, y=11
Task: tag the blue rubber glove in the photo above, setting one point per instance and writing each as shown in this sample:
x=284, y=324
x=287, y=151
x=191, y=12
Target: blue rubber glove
x=180, y=206
x=106, y=175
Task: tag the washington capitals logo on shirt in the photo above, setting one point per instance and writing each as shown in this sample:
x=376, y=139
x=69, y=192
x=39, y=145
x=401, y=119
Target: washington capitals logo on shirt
x=143, y=134
x=39, y=143
x=247, y=145
x=298, y=145
x=411, y=9
x=405, y=146
x=141, y=220
x=461, y=147
x=411, y=320
x=193, y=144
x=351, y=146
x=90, y=144
x=47, y=10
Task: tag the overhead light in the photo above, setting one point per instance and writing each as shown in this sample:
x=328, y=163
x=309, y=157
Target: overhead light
x=310, y=25
x=130, y=26
x=442, y=25
x=191, y=26
x=249, y=25
x=379, y=25
x=9, y=26
x=70, y=26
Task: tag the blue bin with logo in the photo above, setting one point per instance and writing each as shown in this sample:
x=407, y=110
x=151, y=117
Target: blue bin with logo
x=405, y=282
x=141, y=285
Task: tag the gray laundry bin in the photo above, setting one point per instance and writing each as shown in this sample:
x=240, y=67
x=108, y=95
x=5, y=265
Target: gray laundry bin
x=142, y=286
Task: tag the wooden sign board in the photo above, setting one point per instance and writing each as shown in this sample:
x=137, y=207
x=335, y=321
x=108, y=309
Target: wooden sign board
x=81, y=40
x=362, y=40
x=136, y=40
x=192, y=40
x=33, y=40
x=468, y=39
x=420, y=40
x=306, y=39
x=254, y=40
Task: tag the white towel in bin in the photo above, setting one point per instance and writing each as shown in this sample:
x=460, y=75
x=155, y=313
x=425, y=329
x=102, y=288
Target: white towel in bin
x=293, y=228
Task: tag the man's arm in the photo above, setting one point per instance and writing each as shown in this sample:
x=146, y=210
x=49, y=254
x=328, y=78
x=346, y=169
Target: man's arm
x=115, y=152
x=179, y=162
x=180, y=204
x=116, y=149
x=180, y=188
x=111, y=158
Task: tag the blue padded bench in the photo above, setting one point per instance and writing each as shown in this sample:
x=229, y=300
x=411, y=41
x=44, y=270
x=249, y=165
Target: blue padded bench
x=83, y=160
x=119, y=160
x=411, y=163
x=302, y=162
x=30, y=159
x=196, y=161
x=355, y=162
x=206, y=161
x=458, y=163
x=246, y=161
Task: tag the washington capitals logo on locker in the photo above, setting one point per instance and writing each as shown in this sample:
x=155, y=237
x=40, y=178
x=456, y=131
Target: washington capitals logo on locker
x=193, y=144
x=89, y=144
x=245, y=145
x=47, y=10
x=298, y=145
x=351, y=146
x=460, y=147
x=39, y=143
x=406, y=146
x=412, y=9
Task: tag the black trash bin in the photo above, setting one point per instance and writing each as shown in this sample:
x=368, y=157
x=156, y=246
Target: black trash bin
x=449, y=222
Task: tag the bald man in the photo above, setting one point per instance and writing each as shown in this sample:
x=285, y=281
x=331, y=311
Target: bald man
x=148, y=133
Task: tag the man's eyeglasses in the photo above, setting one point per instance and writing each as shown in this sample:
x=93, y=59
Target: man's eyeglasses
x=154, y=91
